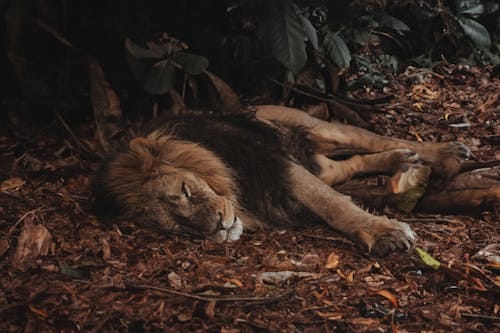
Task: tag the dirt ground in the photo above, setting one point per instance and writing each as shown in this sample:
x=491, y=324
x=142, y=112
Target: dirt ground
x=93, y=278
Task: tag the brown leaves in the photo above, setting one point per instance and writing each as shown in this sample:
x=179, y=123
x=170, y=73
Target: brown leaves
x=35, y=241
x=223, y=98
x=106, y=105
x=109, y=279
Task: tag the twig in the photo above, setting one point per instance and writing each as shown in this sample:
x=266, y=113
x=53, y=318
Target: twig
x=73, y=136
x=473, y=165
x=25, y=215
x=331, y=98
x=333, y=239
x=56, y=34
x=222, y=298
x=428, y=220
x=479, y=316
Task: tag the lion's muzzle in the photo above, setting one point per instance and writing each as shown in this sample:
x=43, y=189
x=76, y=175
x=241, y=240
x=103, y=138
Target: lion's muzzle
x=228, y=231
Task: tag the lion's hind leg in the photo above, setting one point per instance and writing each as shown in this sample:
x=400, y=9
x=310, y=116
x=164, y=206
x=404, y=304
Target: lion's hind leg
x=336, y=172
x=378, y=234
x=444, y=157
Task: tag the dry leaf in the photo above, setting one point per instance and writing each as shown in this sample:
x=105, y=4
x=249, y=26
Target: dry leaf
x=34, y=241
x=210, y=309
x=12, y=184
x=4, y=246
x=363, y=321
x=39, y=312
x=175, y=280
x=332, y=261
x=329, y=315
x=106, y=249
x=223, y=96
x=278, y=277
x=178, y=107
x=236, y=282
x=388, y=295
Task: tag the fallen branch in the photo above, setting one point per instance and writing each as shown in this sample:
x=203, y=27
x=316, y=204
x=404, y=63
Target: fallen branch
x=221, y=298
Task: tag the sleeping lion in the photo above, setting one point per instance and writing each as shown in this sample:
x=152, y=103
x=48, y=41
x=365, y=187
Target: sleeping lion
x=214, y=177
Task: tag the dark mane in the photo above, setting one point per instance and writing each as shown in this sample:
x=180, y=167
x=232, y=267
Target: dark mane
x=258, y=155
x=242, y=158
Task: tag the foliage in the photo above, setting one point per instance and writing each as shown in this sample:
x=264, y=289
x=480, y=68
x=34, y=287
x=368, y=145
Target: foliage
x=380, y=36
x=155, y=64
x=245, y=40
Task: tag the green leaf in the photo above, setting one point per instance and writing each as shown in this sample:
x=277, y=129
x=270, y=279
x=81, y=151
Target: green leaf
x=427, y=259
x=476, y=32
x=310, y=31
x=72, y=273
x=391, y=22
x=336, y=49
x=284, y=35
x=140, y=52
x=474, y=10
x=193, y=64
x=160, y=79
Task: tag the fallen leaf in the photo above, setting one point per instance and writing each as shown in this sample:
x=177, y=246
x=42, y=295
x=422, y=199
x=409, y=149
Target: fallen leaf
x=490, y=253
x=428, y=259
x=34, y=241
x=39, y=312
x=175, y=280
x=329, y=315
x=223, y=96
x=282, y=276
x=182, y=317
x=4, y=246
x=12, y=184
x=388, y=295
x=210, y=309
x=363, y=321
x=236, y=282
x=106, y=249
x=332, y=261
x=72, y=273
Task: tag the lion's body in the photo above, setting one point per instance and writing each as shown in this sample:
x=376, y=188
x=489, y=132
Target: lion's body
x=215, y=176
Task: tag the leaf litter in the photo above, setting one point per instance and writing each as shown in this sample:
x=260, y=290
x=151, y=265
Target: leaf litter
x=79, y=275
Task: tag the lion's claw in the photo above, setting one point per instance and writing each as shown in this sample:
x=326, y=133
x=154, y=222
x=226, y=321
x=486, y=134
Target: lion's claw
x=396, y=240
x=385, y=236
x=458, y=150
x=402, y=158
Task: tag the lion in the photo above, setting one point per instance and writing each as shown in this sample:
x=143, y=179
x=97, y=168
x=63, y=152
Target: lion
x=216, y=176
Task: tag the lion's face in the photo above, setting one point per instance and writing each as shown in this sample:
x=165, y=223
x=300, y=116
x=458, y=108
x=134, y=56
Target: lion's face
x=178, y=200
x=174, y=186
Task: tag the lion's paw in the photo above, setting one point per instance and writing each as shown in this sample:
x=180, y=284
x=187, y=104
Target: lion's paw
x=401, y=158
x=388, y=236
x=445, y=157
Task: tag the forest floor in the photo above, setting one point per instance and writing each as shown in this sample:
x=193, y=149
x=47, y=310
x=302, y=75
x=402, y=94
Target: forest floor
x=95, y=278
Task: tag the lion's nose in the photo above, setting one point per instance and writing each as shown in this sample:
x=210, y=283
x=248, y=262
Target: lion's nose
x=224, y=224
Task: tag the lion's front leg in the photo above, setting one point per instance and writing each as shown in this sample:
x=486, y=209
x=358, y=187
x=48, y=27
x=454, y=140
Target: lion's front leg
x=378, y=234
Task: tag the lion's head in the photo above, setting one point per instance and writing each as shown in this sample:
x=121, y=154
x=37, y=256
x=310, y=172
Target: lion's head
x=172, y=185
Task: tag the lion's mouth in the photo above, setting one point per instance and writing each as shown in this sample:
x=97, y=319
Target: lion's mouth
x=230, y=234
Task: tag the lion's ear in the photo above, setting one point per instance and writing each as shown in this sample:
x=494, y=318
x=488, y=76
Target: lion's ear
x=144, y=151
x=143, y=145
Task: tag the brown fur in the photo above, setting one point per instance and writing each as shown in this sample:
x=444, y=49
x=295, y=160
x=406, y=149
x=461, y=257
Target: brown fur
x=214, y=176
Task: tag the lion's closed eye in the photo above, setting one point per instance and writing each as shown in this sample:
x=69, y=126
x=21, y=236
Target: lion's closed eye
x=186, y=191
